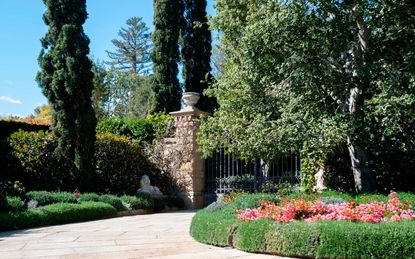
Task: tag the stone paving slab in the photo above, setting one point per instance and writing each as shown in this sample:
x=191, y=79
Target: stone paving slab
x=164, y=235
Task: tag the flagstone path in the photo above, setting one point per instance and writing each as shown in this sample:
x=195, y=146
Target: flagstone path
x=164, y=235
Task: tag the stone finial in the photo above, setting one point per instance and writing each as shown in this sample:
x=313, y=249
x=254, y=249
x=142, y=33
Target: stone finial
x=190, y=99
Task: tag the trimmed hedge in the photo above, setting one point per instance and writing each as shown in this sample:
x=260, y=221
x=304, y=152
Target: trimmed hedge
x=113, y=200
x=45, y=198
x=322, y=239
x=7, y=127
x=88, y=197
x=214, y=228
x=11, y=204
x=138, y=202
x=53, y=214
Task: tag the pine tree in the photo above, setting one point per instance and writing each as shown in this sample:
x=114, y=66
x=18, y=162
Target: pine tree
x=66, y=80
x=165, y=55
x=196, y=51
x=133, y=47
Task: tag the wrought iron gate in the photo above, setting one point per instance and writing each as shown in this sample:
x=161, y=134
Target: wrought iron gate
x=224, y=173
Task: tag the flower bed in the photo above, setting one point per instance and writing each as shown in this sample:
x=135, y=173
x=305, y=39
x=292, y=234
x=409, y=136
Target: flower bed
x=308, y=227
x=311, y=211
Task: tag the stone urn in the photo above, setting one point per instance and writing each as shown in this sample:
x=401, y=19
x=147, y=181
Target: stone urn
x=190, y=99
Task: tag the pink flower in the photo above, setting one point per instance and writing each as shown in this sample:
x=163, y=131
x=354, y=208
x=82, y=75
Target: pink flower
x=300, y=209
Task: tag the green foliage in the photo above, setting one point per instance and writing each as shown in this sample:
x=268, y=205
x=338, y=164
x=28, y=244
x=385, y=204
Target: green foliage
x=138, y=202
x=250, y=235
x=11, y=204
x=88, y=197
x=196, y=51
x=66, y=80
x=161, y=124
x=7, y=127
x=142, y=97
x=153, y=127
x=165, y=55
x=120, y=165
x=139, y=129
x=30, y=159
x=132, y=51
x=44, y=198
x=215, y=228
x=59, y=213
x=113, y=200
x=290, y=67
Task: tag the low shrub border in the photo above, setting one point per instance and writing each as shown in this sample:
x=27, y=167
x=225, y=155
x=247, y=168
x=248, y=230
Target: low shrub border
x=42, y=208
x=321, y=239
x=58, y=213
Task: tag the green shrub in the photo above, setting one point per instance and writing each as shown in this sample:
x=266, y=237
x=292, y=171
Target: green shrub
x=11, y=204
x=138, y=202
x=215, y=228
x=113, y=200
x=250, y=235
x=89, y=197
x=138, y=129
x=44, y=198
x=215, y=206
x=29, y=159
x=15, y=204
x=121, y=164
x=7, y=127
x=59, y=213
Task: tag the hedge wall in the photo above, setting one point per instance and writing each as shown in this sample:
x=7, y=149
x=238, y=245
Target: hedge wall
x=7, y=127
x=29, y=160
x=58, y=213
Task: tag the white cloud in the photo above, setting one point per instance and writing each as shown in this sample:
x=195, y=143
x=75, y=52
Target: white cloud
x=10, y=100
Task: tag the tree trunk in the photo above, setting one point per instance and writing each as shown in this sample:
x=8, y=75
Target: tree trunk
x=363, y=176
x=364, y=179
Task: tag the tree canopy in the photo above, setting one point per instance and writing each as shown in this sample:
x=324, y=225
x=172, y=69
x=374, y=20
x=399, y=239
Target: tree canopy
x=196, y=51
x=165, y=55
x=133, y=49
x=319, y=77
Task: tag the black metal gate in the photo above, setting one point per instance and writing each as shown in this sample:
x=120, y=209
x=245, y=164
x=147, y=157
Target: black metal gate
x=224, y=173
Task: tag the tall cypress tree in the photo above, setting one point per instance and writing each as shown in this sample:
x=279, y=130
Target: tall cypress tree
x=165, y=55
x=66, y=80
x=196, y=51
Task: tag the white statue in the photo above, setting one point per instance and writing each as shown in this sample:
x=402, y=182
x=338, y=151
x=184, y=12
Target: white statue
x=147, y=188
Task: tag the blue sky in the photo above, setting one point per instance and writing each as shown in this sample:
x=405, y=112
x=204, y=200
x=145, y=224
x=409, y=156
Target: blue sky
x=21, y=27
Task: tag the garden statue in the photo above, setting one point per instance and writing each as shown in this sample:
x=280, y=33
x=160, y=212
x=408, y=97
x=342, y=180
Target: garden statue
x=147, y=188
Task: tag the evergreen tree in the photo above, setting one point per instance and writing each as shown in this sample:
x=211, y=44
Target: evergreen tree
x=196, y=51
x=165, y=55
x=66, y=80
x=133, y=47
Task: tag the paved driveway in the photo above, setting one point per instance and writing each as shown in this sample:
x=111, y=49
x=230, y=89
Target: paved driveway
x=164, y=235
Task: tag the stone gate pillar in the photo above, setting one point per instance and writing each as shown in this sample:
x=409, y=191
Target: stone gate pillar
x=191, y=172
